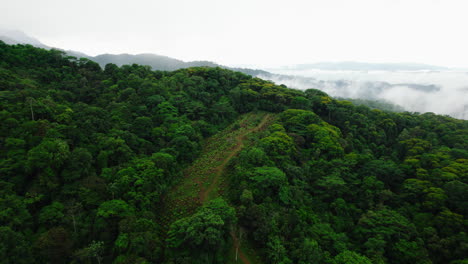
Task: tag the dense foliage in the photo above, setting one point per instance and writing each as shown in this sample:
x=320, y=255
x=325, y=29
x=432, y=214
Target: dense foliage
x=376, y=104
x=87, y=154
x=336, y=183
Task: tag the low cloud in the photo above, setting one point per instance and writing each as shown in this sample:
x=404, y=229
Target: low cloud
x=441, y=92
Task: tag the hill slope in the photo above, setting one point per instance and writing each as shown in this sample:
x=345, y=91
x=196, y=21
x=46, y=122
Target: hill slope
x=90, y=160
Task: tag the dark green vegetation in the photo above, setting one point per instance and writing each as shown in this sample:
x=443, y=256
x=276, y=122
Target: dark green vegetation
x=376, y=104
x=365, y=185
x=89, y=159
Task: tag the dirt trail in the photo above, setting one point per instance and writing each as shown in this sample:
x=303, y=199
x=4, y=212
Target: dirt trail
x=204, y=194
x=203, y=179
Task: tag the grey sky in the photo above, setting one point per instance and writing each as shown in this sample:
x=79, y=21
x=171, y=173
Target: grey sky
x=255, y=32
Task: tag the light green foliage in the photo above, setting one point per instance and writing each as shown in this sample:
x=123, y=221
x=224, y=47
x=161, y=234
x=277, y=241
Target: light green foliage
x=48, y=153
x=254, y=157
x=297, y=120
x=325, y=140
x=269, y=182
x=277, y=252
x=278, y=145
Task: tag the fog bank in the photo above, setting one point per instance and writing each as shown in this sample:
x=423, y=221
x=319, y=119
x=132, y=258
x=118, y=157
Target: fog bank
x=440, y=92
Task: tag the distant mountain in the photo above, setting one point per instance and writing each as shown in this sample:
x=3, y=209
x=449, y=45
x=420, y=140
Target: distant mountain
x=164, y=63
x=156, y=62
x=364, y=66
x=252, y=72
x=13, y=37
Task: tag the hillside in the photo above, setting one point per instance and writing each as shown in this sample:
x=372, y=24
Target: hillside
x=123, y=164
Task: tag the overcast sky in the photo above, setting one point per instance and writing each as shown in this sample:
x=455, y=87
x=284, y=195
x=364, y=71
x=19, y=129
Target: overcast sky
x=252, y=32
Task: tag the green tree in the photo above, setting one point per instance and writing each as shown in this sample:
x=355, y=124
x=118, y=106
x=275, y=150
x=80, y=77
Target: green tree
x=351, y=257
x=202, y=236
x=55, y=245
x=94, y=250
x=14, y=248
x=114, y=209
x=52, y=214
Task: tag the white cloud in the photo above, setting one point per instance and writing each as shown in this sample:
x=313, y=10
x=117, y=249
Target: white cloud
x=451, y=98
x=252, y=31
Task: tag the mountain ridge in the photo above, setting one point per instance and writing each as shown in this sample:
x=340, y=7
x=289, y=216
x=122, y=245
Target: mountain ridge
x=155, y=61
x=166, y=63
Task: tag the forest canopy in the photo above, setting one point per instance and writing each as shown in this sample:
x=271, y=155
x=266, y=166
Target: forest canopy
x=87, y=155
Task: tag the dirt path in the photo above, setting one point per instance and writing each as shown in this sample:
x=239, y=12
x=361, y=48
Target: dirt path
x=204, y=194
x=203, y=180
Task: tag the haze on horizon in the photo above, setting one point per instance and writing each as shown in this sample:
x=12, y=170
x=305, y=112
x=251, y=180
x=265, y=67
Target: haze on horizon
x=245, y=32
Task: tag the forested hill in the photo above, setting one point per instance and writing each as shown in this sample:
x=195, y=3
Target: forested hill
x=163, y=63
x=89, y=157
x=156, y=62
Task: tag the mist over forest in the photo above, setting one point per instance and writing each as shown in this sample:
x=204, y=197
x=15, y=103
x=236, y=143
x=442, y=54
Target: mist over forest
x=234, y=132
x=441, y=92
x=410, y=87
x=140, y=140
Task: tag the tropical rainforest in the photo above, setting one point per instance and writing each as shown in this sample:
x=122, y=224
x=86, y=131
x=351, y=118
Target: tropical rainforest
x=208, y=165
